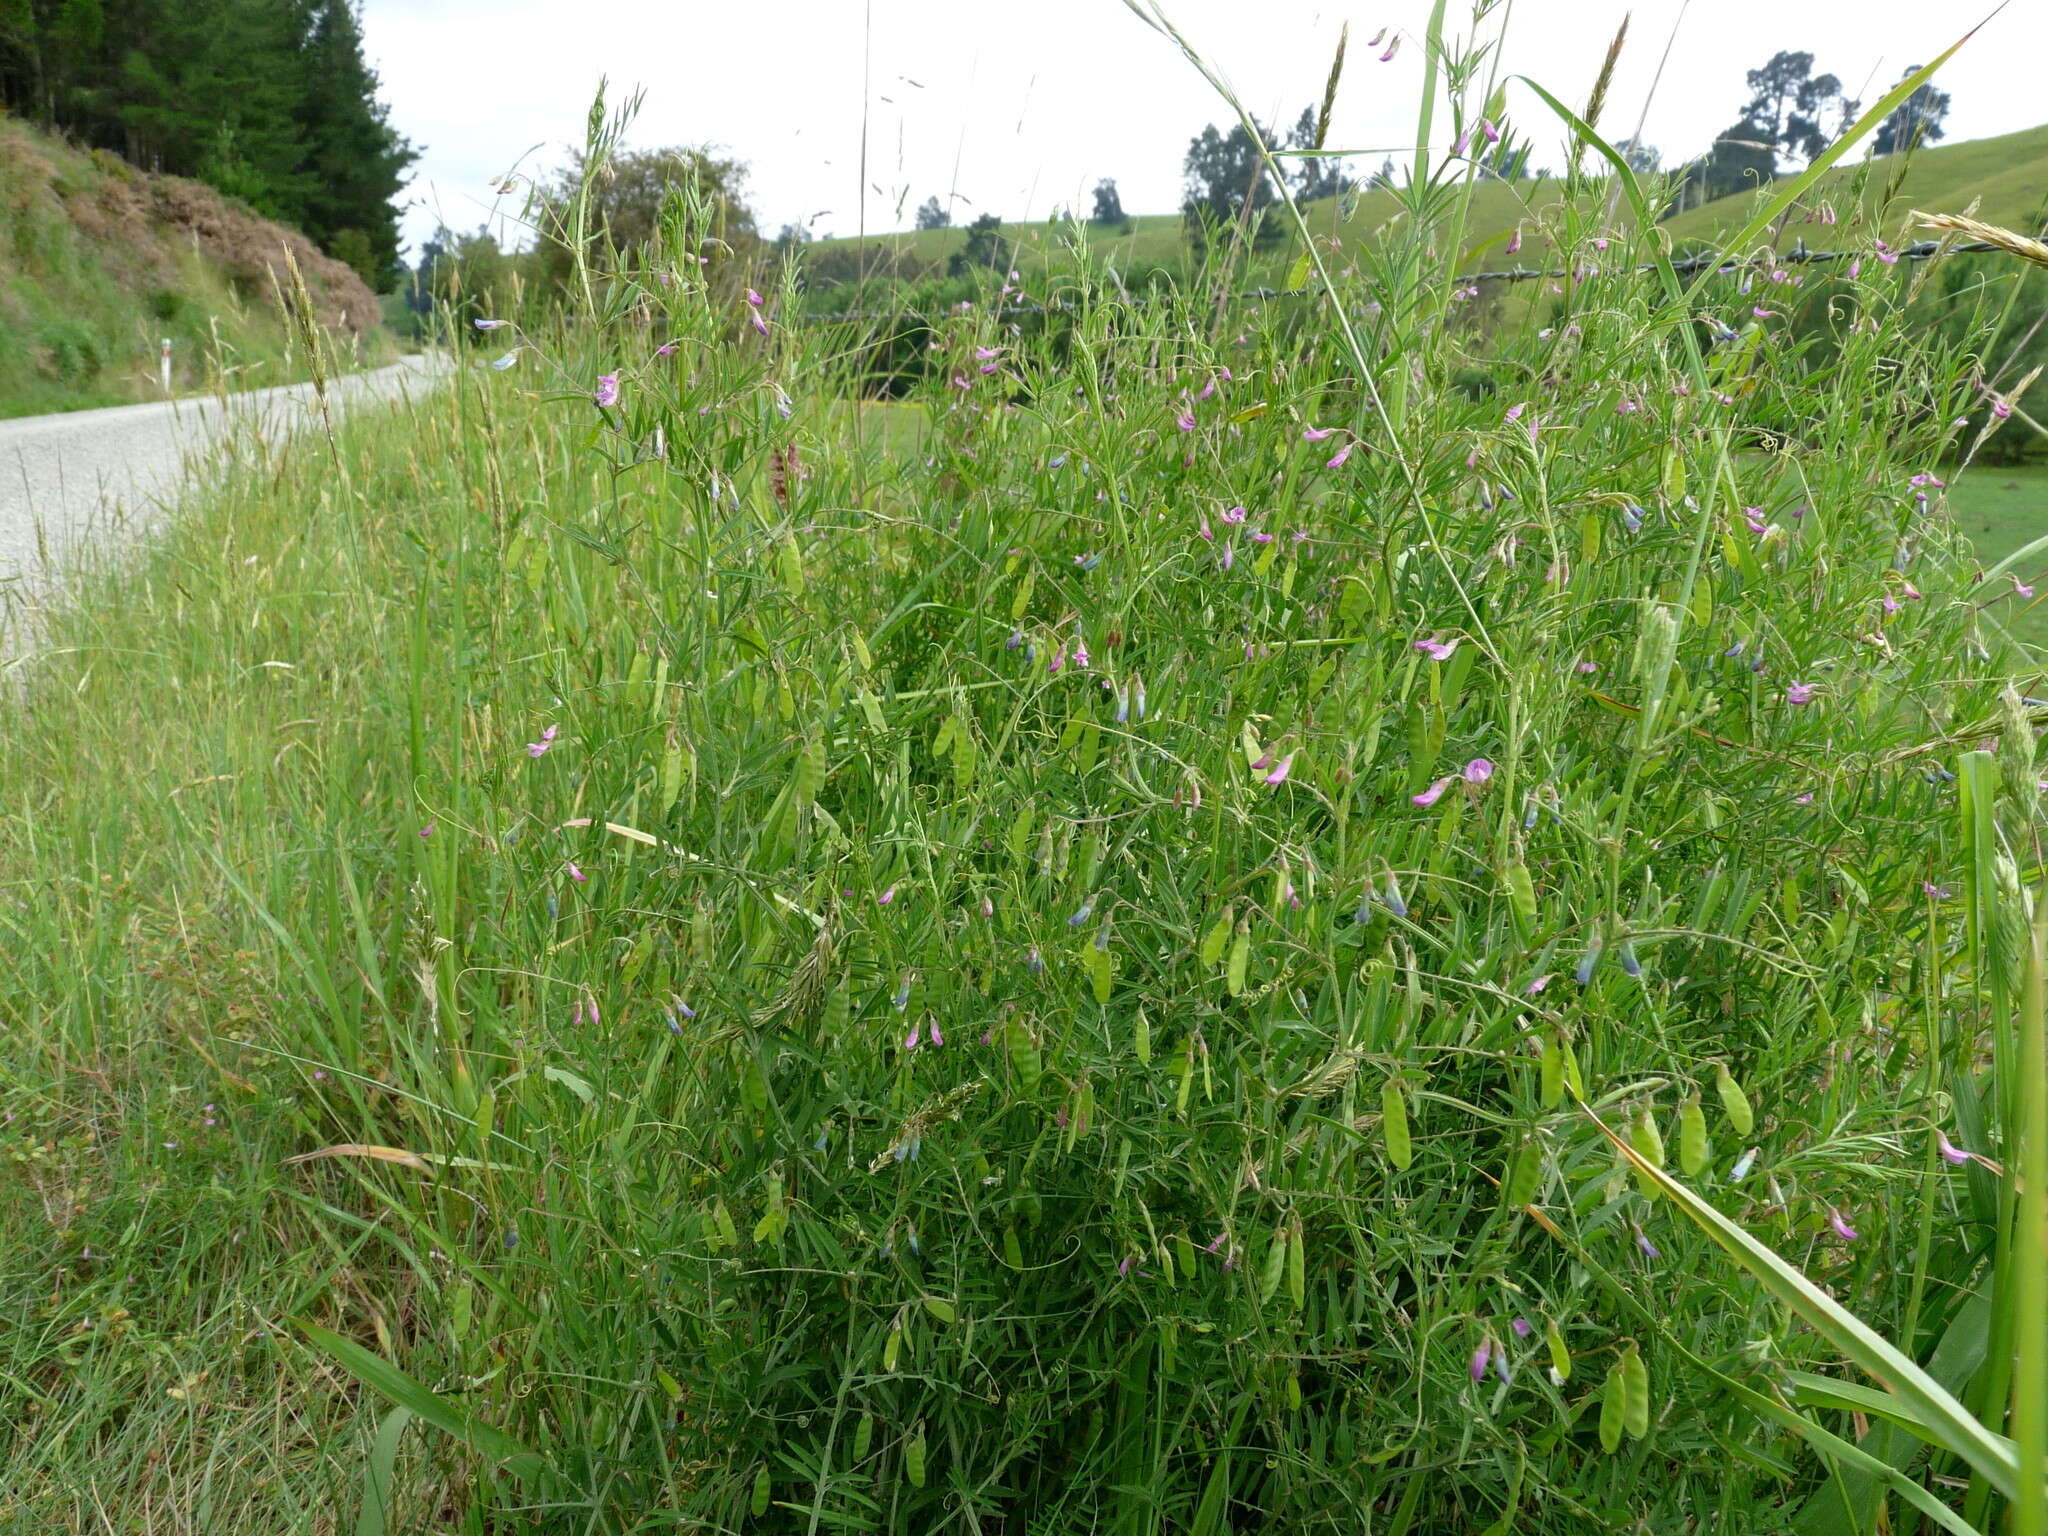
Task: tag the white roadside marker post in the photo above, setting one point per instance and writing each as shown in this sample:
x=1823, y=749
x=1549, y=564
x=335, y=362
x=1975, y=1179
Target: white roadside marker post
x=166, y=364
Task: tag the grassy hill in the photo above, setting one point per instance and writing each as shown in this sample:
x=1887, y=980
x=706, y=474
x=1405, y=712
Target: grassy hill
x=2007, y=176
x=99, y=261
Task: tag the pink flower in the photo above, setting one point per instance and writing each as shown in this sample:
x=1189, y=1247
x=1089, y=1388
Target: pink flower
x=1800, y=693
x=1480, y=1357
x=2021, y=589
x=1842, y=1228
x=1891, y=604
x=1185, y=421
x=1431, y=795
x=753, y=298
x=1764, y=314
x=1538, y=984
x=886, y=897
x=1949, y=1150
x=1522, y=1327
x=1392, y=48
x=1337, y=459
x=1493, y=137
x=1234, y=514
x=1478, y=771
x=759, y=324
x=2001, y=408
x=936, y=1037
x=1437, y=650
x=1281, y=769
x=539, y=748
x=985, y=353
x=1315, y=434
x=666, y=349
x=607, y=393
x=574, y=873
x=1514, y=413
x=1515, y=240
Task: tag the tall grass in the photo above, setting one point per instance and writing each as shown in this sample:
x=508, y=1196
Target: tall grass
x=691, y=963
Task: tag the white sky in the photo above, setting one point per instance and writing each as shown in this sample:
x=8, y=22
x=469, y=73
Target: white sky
x=1019, y=105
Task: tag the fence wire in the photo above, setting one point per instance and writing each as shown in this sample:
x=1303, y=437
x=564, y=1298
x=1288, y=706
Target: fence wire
x=1726, y=265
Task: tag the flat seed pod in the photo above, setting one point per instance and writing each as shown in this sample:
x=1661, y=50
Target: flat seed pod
x=1394, y=1125
x=1212, y=945
x=1734, y=1102
x=913, y=1459
x=1694, y=1150
x=1525, y=1173
x=1635, y=1382
x=1649, y=1145
x=1297, y=1267
x=1240, y=960
x=1276, y=1267
x=1613, y=1409
x=1560, y=1357
x=863, y=1437
x=758, y=1504
x=1550, y=1072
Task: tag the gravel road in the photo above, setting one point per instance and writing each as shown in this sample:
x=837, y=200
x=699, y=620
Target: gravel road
x=84, y=476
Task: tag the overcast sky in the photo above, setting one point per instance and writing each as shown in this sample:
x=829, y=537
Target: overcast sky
x=1018, y=106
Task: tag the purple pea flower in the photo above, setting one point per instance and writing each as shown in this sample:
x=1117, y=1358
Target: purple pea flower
x=607, y=393
x=1800, y=693
x=1281, y=769
x=490, y=325
x=574, y=873
x=539, y=748
x=1316, y=434
x=1480, y=1357
x=1949, y=1150
x=1336, y=460
x=886, y=897
x=1478, y=771
x=666, y=349
x=1431, y=795
x=1437, y=650
x=1649, y=1248
x=1842, y=1228
x=933, y=1029
x=1522, y=1328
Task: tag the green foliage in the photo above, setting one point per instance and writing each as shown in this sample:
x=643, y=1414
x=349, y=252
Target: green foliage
x=986, y=961
x=270, y=102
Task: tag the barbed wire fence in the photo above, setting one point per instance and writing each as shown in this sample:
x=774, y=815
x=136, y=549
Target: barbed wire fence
x=1727, y=265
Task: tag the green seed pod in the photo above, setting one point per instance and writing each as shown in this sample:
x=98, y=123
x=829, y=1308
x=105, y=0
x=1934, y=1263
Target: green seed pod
x=863, y=1437
x=1734, y=1102
x=892, y=1347
x=1522, y=900
x=1394, y=1125
x=1212, y=945
x=1013, y=1251
x=1297, y=1267
x=1649, y=1144
x=1525, y=1172
x=1613, y=1409
x=758, y=1504
x=1635, y=1383
x=1240, y=959
x=1560, y=1357
x=1550, y=1072
x=913, y=1459
x=1185, y=1249
x=1694, y=1152
x=1143, y=1040
x=1276, y=1267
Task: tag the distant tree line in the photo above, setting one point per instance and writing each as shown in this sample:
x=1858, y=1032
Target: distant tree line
x=271, y=101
